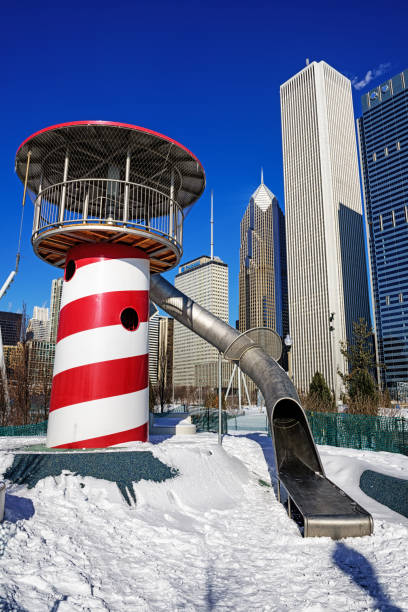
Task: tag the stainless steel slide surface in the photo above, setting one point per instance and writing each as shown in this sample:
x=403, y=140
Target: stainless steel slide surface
x=326, y=510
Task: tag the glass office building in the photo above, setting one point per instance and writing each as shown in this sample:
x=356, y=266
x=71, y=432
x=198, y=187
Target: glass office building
x=383, y=135
x=263, y=289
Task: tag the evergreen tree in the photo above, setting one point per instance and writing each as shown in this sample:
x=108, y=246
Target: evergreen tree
x=320, y=394
x=359, y=381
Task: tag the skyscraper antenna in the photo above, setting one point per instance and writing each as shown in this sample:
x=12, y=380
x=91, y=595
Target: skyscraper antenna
x=261, y=175
x=307, y=61
x=212, y=224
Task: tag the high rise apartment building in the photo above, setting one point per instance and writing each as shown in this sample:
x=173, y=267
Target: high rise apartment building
x=205, y=280
x=10, y=324
x=161, y=337
x=55, y=307
x=154, y=324
x=39, y=326
x=383, y=135
x=166, y=342
x=327, y=278
x=262, y=272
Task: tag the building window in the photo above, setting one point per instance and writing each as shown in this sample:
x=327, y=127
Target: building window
x=401, y=298
x=387, y=300
x=398, y=146
x=381, y=223
x=393, y=218
x=406, y=214
x=386, y=151
x=374, y=156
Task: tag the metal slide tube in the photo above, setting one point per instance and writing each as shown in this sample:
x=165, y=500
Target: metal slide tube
x=326, y=510
x=276, y=387
x=271, y=379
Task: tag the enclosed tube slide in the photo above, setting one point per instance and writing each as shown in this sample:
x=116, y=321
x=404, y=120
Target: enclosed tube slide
x=326, y=509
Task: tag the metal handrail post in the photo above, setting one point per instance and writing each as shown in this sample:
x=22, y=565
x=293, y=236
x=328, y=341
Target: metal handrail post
x=37, y=209
x=171, y=211
x=85, y=211
x=64, y=189
x=126, y=199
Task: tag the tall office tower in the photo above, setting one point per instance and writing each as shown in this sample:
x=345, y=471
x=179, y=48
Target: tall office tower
x=10, y=325
x=383, y=134
x=154, y=328
x=327, y=278
x=205, y=280
x=55, y=307
x=262, y=273
x=39, y=326
x=166, y=342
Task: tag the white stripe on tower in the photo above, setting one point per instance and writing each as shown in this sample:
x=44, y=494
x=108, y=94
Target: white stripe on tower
x=100, y=344
x=117, y=276
x=95, y=416
x=100, y=383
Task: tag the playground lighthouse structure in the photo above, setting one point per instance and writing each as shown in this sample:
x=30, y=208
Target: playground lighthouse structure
x=109, y=204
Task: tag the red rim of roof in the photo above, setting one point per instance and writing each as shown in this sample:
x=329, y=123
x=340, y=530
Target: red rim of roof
x=110, y=123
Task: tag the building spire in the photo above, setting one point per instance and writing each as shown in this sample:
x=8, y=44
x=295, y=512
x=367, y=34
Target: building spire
x=212, y=224
x=262, y=176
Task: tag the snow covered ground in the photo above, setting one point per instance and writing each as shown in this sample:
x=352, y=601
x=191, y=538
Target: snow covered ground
x=213, y=538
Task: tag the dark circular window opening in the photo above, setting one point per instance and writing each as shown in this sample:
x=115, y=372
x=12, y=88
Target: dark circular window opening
x=129, y=319
x=70, y=270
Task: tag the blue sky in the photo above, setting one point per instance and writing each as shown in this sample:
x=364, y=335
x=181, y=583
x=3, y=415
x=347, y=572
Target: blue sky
x=205, y=73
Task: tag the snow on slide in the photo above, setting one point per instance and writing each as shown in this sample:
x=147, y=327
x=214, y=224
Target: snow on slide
x=213, y=538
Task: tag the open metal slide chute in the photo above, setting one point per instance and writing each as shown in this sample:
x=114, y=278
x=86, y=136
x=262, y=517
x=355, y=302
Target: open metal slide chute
x=326, y=509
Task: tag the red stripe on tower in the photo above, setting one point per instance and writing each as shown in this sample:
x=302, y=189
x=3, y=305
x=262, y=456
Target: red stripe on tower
x=101, y=310
x=100, y=384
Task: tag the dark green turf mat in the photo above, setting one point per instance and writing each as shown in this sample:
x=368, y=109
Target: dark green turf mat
x=387, y=490
x=124, y=468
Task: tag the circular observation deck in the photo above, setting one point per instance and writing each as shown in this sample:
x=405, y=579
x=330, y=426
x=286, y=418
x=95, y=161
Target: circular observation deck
x=100, y=181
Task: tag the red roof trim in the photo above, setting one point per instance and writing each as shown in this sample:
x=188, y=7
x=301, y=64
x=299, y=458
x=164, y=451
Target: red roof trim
x=111, y=123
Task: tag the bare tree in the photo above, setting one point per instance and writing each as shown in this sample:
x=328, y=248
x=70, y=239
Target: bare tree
x=180, y=393
x=41, y=378
x=21, y=388
x=3, y=405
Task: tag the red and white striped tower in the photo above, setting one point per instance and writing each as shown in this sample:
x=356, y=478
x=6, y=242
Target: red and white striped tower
x=100, y=387
x=109, y=202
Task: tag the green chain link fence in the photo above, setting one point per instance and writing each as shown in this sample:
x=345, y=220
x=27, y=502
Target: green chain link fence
x=39, y=429
x=377, y=433
x=207, y=420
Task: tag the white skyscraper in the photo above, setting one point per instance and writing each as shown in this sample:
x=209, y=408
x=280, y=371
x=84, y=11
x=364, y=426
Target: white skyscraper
x=55, y=307
x=327, y=278
x=154, y=325
x=205, y=280
x=38, y=326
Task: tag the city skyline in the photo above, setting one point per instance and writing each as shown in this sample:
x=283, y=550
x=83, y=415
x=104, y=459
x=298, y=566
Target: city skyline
x=236, y=97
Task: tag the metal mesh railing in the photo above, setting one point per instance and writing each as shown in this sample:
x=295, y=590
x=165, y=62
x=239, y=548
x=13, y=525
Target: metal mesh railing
x=95, y=151
x=108, y=202
x=377, y=433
